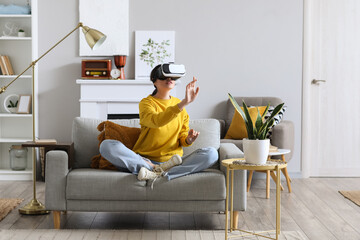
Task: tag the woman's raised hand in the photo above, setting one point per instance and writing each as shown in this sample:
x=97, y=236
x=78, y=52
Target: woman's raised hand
x=191, y=91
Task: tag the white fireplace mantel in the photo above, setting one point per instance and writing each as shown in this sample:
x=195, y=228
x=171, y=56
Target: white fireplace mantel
x=98, y=98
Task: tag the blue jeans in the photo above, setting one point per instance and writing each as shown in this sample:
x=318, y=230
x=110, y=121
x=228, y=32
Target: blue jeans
x=124, y=158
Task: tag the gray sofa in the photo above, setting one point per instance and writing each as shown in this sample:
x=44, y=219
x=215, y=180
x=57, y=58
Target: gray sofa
x=81, y=188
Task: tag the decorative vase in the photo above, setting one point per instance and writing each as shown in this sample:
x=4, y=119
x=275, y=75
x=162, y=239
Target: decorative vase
x=120, y=61
x=256, y=151
x=18, y=157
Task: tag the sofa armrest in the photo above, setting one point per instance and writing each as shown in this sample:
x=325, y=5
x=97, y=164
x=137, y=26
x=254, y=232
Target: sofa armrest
x=55, y=178
x=283, y=137
x=226, y=151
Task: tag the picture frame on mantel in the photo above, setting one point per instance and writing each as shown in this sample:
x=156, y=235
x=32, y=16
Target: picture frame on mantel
x=151, y=49
x=111, y=17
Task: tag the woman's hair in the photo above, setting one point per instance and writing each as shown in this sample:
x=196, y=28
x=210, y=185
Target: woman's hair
x=153, y=77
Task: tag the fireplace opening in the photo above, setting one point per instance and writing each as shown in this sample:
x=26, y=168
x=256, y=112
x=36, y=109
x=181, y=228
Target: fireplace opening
x=123, y=116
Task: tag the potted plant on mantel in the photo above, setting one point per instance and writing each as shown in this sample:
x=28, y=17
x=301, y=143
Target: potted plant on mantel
x=256, y=146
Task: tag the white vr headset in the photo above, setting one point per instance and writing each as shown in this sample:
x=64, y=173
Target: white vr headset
x=170, y=70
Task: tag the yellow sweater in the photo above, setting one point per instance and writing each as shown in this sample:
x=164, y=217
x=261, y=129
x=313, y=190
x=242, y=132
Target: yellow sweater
x=164, y=128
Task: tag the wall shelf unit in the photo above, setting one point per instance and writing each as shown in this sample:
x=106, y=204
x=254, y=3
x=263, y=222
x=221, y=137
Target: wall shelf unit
x=16, y=129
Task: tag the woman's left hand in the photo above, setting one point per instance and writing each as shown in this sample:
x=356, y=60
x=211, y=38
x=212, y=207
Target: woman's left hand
x=192, y=136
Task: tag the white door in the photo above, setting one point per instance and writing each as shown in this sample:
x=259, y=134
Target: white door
x=331, y=108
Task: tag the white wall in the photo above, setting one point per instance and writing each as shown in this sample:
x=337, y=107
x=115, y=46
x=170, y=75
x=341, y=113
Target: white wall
x=247, y=48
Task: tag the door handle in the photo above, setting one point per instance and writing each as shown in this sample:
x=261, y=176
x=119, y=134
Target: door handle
x=315, y=81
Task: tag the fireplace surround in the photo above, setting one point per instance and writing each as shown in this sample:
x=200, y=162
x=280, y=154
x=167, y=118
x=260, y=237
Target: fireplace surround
x=113, y=99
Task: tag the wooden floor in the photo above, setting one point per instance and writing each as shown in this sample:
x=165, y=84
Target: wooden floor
x=314, y=208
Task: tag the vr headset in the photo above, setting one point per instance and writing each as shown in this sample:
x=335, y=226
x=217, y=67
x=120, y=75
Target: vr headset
x=170, y=70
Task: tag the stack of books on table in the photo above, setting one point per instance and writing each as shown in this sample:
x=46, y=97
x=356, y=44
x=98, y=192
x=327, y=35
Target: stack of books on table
x=5, y=66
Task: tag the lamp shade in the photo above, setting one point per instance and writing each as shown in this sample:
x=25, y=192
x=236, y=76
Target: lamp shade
x=93, y=37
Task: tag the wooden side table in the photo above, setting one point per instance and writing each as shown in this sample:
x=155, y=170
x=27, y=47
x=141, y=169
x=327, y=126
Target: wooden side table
x=279, y=152
x=67, y=147
x=240, y=164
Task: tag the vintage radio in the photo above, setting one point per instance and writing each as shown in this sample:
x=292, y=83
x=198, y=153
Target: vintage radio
x=96, y=69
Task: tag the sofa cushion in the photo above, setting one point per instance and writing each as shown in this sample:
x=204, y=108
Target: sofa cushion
x=96, y=184
x=209, y=134
x=99, y=184
x=205, y=185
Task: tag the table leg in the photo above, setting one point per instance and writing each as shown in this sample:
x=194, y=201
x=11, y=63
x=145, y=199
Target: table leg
x=278, y=213
x=232, y=202
x=227, y=203
x=274, y=178
x=283, y=159
x=268, y=184
x=288, y=180
x=251, y=172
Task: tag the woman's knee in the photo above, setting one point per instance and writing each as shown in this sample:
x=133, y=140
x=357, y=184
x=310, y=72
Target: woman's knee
x=108, y=146
x=211, y=153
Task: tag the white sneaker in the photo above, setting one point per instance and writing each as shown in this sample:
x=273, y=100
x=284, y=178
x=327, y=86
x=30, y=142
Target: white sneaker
x=146, y=174
x=173, y=161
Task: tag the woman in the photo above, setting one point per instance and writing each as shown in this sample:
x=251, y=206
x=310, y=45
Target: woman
x=164, y=131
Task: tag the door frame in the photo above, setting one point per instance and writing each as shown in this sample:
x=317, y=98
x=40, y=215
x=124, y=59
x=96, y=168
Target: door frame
x=308, y=44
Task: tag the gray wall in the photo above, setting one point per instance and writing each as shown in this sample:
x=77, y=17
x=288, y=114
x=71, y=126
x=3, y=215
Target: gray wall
x=247, y=48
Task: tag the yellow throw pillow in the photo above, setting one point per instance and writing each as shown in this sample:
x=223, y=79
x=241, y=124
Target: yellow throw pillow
x=237, y=129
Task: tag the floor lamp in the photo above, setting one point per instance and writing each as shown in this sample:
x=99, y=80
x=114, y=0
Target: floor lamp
x=94, y=39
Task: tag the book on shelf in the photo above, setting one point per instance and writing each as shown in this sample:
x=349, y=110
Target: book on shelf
x=2, y=66
x=5, y=65
x=8, y=65
x=46, y=141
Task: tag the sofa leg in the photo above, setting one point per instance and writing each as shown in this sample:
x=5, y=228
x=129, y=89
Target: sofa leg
x=236, y=219
x=56, y=219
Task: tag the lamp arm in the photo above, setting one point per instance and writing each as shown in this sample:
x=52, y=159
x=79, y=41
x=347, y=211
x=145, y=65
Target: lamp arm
x=2, y=89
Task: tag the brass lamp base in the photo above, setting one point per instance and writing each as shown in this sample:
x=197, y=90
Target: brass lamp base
x=33, y=208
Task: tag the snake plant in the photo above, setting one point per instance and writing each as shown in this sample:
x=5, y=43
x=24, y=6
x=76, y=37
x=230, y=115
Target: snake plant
x=261, y=127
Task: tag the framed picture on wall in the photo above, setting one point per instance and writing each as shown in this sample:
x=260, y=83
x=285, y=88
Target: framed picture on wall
x=111, y=17
x=151, y=49
x=24, y=104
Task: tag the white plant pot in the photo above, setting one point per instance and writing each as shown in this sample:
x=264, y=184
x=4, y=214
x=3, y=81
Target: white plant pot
x=21, y=34
x=13, y=110
x=256, y=151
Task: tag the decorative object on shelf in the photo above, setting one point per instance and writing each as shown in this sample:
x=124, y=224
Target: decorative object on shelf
x=24, y=104
x=21, y=33
x=94, y=38
x=115, y=73
x=112, y=17
x=5, y=65
x=120, y=62
x=256, y=146
x=96, y=68
x=11, y=102
x=18, y=157
x=14, y=9
x=10, y=29
x=151, y=49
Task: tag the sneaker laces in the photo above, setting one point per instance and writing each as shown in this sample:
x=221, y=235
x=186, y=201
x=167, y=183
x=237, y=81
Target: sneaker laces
x=159, y=174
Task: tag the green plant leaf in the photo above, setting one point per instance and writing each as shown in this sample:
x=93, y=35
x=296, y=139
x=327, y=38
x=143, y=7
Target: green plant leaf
x=258, y=122
x=248, y=123
x=266, y=110
x=241, y=112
